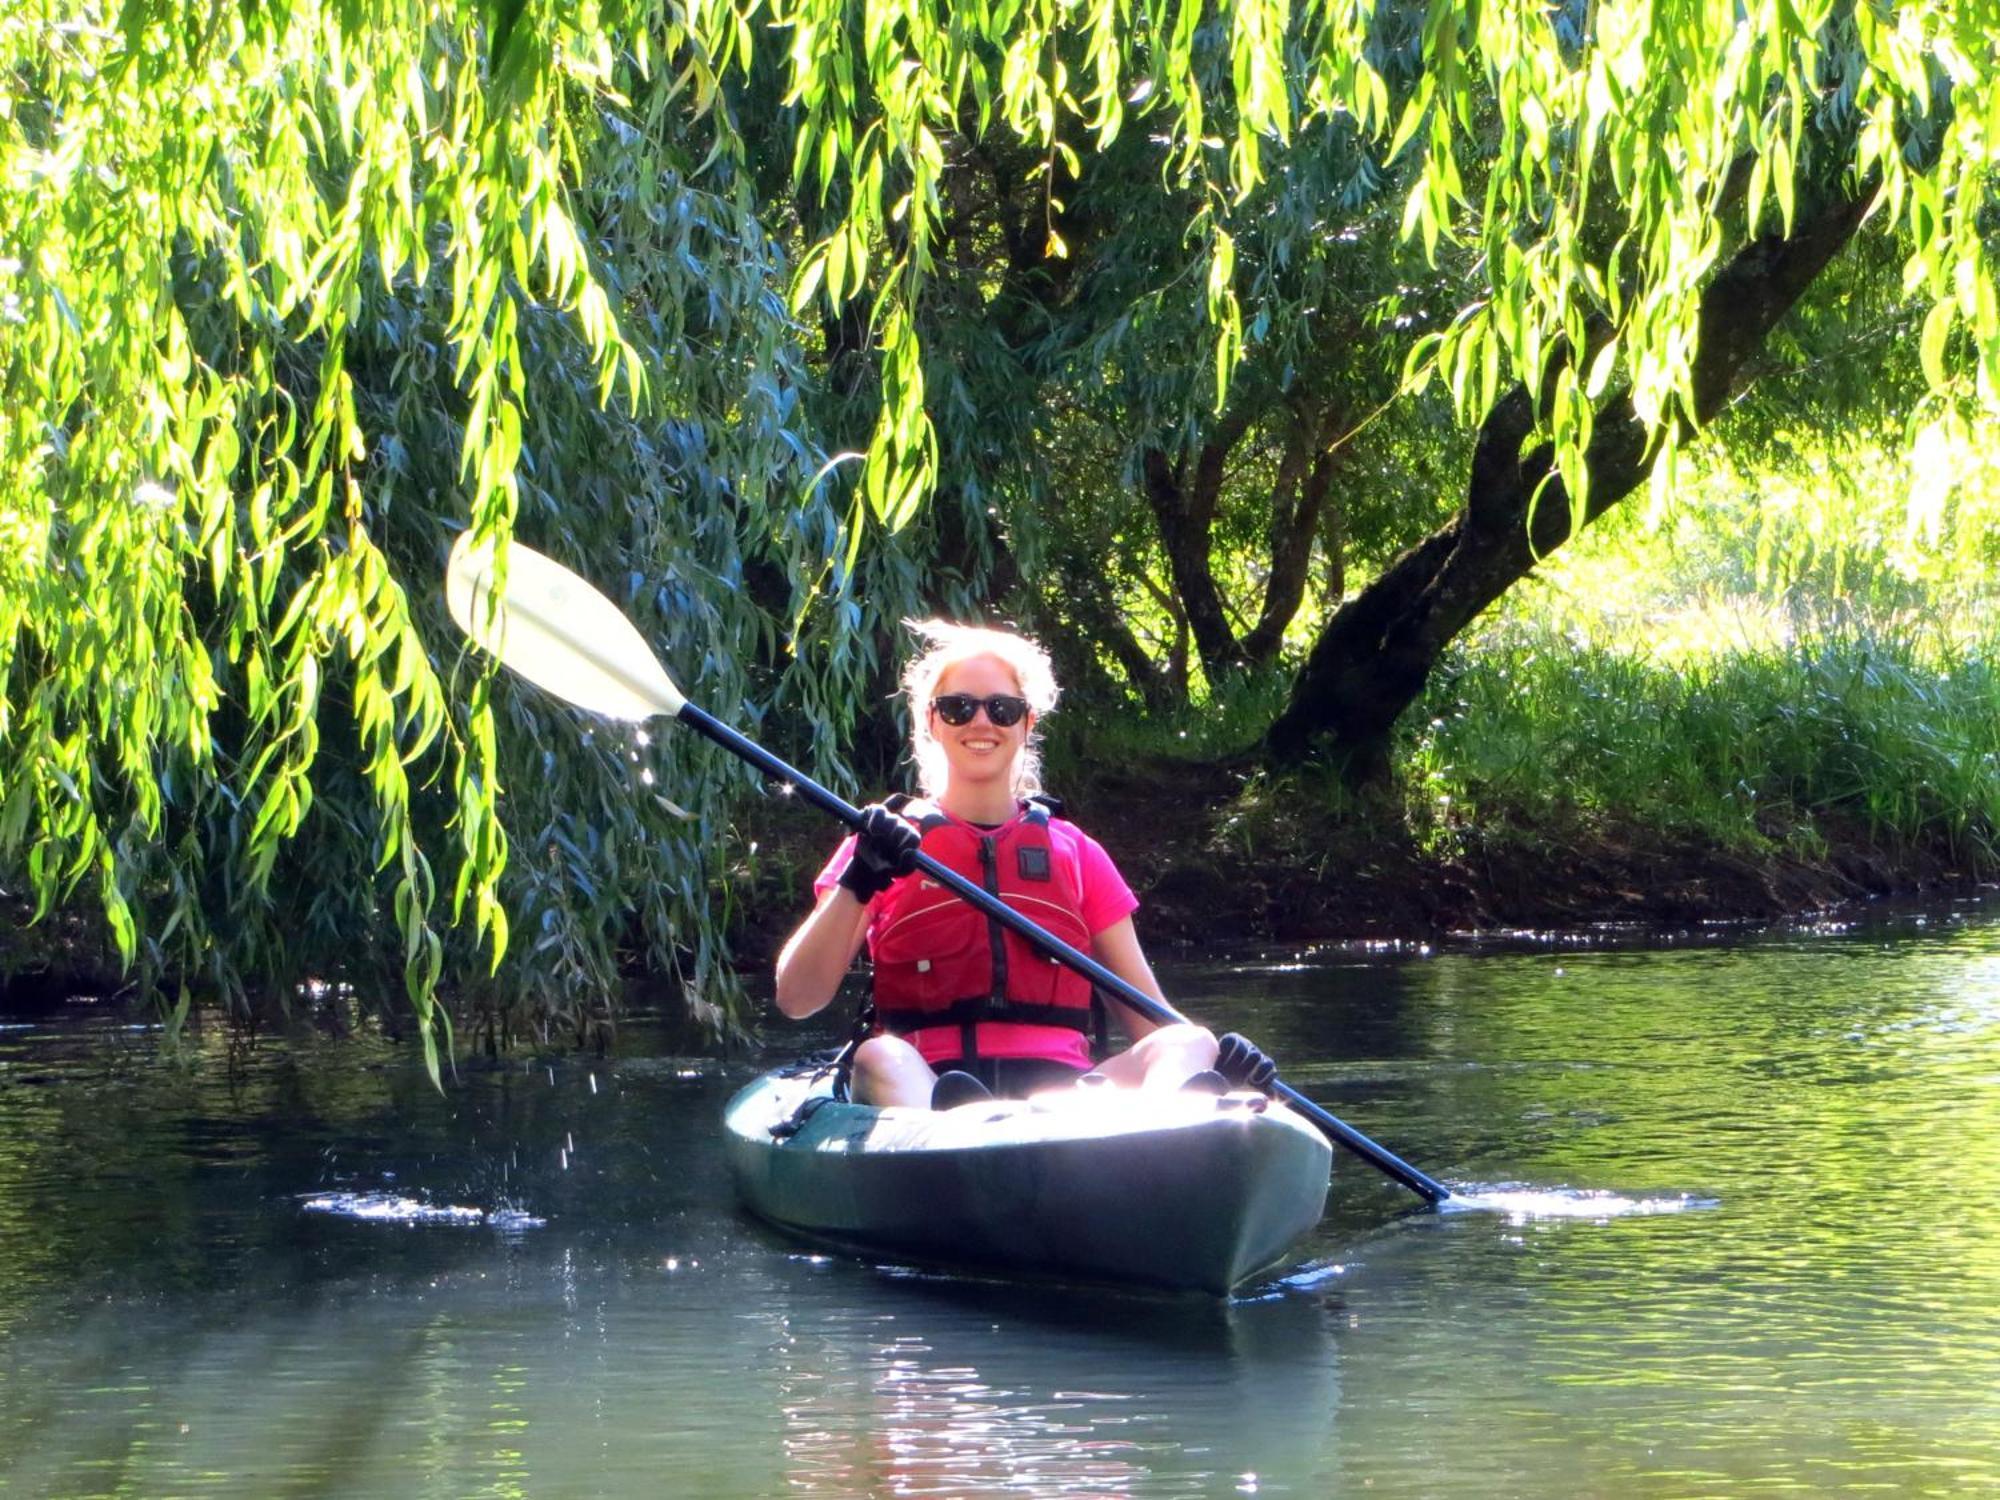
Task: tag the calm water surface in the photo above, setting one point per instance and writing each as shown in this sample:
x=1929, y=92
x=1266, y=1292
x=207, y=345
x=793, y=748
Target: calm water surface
x=1809, y=1302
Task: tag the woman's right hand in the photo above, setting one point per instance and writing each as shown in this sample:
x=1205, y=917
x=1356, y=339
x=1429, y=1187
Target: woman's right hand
x=885, y=848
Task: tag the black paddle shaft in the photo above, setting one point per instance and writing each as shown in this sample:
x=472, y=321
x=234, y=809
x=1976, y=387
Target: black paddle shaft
x=708, y=725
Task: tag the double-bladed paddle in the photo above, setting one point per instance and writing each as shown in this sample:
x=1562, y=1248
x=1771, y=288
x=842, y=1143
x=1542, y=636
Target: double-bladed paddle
x=557, y=631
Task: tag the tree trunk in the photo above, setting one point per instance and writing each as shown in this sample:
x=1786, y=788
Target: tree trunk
x=1184, y=509
x=1305, y=475
x=1333, y=549
x=1377, y=652
x=1099, y=619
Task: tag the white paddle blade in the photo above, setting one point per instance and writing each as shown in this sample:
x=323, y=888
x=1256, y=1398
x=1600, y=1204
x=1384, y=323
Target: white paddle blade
x=558, y=632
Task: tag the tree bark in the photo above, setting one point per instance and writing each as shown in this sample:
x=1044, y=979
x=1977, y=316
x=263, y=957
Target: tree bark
x=1183, y=506
x=1099, y=619
x=1305, y=476
x=1377, y=652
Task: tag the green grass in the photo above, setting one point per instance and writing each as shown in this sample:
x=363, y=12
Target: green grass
x=1883, y=731
x=1735, y=727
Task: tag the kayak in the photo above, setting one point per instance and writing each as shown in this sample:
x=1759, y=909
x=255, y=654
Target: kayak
x=1187, y=1191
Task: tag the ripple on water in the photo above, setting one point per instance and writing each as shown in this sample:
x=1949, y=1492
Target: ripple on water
x=1521, y=1203
x=397, y=1208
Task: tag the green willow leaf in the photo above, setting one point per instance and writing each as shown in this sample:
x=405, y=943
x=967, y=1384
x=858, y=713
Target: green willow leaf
x=291, y=294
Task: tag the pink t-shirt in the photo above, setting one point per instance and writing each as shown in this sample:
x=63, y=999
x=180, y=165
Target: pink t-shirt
x=1106, y=896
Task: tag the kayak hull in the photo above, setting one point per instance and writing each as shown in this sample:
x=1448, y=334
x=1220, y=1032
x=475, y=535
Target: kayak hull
x=1180, y=1191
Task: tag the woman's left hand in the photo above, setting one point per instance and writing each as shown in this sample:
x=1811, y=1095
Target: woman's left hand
x=1244, y=1063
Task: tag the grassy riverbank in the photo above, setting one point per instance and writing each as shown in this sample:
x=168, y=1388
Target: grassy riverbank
x=1551, y=779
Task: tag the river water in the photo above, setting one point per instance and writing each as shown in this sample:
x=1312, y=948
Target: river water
x=1745, y=1239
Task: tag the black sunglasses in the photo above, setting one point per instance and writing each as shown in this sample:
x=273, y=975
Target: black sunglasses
x=1003, y=710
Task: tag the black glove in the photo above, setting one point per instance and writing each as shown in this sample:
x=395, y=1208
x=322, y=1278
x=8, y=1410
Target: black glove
x=885, y=846
x=1244, y=1063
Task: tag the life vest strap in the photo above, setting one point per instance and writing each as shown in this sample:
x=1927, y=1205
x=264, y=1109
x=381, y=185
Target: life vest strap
x=974, y=853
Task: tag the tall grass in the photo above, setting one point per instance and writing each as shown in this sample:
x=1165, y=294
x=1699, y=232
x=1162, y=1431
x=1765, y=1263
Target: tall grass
x=1881, y=731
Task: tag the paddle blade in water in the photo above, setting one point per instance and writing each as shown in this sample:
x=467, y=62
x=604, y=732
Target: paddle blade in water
x=557, y=631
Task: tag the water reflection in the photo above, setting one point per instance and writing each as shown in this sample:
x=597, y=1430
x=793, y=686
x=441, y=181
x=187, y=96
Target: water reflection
x=954, y=1388
x=177, y=1323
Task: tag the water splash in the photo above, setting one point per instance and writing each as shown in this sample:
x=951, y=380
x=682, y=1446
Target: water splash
x=395, y=1208
x=1309, y=1277
x=1521, y=1203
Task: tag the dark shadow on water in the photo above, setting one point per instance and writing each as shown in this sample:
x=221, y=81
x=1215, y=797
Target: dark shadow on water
x=1190, y=1319
x=1164, y=1322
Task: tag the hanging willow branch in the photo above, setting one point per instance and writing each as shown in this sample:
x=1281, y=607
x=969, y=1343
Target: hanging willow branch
x=286, y=293
x=275, y=279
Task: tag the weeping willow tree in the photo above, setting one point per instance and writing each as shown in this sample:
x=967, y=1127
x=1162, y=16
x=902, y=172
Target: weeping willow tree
x=289, y=293
x=1642, y=192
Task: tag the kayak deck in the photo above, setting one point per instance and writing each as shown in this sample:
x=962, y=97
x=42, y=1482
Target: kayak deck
x=1185, y=1191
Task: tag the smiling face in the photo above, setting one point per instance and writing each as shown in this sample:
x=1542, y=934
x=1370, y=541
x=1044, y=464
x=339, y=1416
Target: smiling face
x=979, y=755
x=982, y=660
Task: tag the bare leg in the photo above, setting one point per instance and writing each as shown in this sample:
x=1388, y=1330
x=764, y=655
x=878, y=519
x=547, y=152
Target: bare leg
x=888, y=1070
x=1162, y=1059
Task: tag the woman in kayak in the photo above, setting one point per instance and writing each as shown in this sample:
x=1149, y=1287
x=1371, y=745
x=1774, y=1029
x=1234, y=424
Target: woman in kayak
x=963, y=1007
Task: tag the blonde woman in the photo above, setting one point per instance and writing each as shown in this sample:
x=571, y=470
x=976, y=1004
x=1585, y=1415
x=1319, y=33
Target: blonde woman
x=964, y=1008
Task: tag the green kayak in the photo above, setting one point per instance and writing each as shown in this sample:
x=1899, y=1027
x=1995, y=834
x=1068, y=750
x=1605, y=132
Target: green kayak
x=1178, y=1190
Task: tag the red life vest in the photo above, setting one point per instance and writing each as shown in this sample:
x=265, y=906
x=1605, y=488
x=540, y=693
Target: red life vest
x=959, y=985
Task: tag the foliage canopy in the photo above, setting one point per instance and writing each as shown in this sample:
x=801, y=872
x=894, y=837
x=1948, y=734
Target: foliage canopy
x=289, y=292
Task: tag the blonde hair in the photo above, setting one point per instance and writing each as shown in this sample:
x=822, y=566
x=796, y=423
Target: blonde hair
x=947, y=645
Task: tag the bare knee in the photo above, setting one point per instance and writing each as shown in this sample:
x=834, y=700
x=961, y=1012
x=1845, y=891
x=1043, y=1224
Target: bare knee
x=1183, y=1042
x=888, y=1070
x=1164, y=1057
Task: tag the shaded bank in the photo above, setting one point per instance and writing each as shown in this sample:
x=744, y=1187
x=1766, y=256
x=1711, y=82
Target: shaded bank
x=1222, y=860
